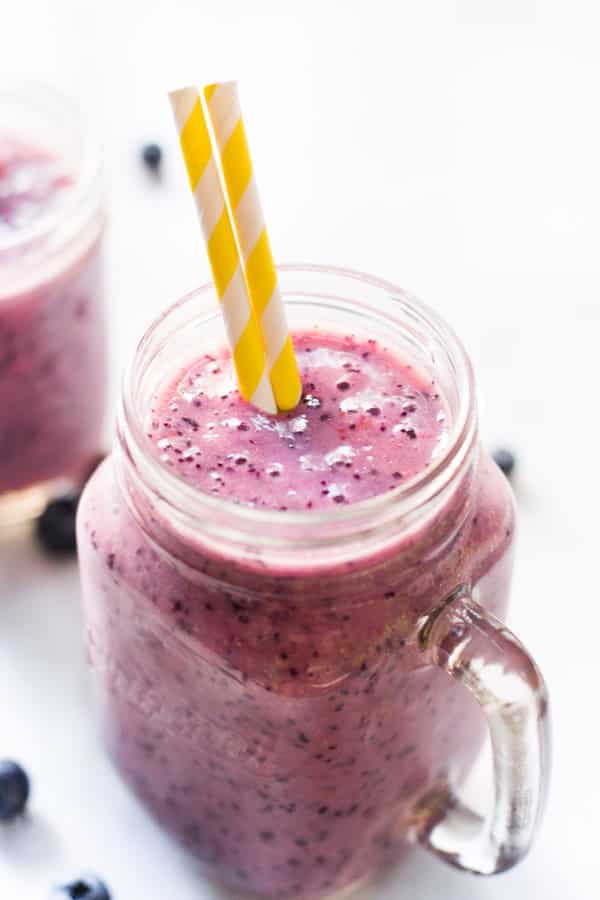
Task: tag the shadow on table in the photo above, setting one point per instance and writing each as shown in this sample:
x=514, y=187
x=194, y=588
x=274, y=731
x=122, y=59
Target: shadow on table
x=29, y=842
x=417, y=877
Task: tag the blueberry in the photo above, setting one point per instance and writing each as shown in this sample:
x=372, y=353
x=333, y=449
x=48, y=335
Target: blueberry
x=505, y=460
x=14, y=790
x=87, y=887
x=56, y=525
x=152, y=156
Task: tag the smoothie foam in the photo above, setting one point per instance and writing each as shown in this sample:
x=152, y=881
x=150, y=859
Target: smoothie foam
x=34, y=184
x=365, y=423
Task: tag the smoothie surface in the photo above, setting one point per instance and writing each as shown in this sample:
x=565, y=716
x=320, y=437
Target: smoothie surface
x=33, y=183
x=366, y=422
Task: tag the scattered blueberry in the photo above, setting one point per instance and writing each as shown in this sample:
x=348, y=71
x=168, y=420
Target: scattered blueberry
x=56, y=525
x=505, y=460
x=88, y=887
x=14, y=790
x=152, y=156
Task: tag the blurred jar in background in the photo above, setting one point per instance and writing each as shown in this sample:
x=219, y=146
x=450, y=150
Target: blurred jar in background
x=52, y=329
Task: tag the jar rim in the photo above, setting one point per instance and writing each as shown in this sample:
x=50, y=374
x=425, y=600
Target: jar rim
x=83, y=199
x=228, y=518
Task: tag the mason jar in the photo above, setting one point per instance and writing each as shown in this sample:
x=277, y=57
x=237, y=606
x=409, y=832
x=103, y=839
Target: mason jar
x=52, y=328
x=292, y=693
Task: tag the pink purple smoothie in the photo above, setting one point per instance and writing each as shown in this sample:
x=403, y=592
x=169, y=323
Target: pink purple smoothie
x=51, y=328
x=283, y=723
x=365, y=423
x=33, y=184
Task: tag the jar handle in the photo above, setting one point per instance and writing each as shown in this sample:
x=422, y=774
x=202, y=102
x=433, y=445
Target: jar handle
x=476, y=649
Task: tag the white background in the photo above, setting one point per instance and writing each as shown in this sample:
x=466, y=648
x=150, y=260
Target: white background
x=452, y=147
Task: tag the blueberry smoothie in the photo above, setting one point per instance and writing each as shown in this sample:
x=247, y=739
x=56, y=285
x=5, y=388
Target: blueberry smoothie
x=33, y=184
x=366, y=421
x=277, y=715
x=52, y=366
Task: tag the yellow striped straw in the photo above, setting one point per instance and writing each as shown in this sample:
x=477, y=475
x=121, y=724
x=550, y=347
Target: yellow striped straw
x=240, y=186
x=241, y=322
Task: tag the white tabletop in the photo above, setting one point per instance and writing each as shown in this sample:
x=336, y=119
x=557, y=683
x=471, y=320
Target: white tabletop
x=450, y=147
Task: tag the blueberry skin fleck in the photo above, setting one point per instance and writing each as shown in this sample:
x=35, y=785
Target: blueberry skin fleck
x=14, y=790
x=152, y=156
x=87, y=887
x=55, y=528
x=505, y=460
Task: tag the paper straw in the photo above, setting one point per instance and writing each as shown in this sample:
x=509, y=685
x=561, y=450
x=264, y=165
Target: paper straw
x=248, y=221
x=241, y=322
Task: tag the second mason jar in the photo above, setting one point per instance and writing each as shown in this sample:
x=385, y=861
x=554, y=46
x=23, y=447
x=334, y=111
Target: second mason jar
x=52, y=323
x=290, y=691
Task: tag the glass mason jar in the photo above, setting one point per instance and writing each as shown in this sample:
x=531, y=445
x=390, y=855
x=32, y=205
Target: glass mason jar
x=52, y=331
x=291, y=694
